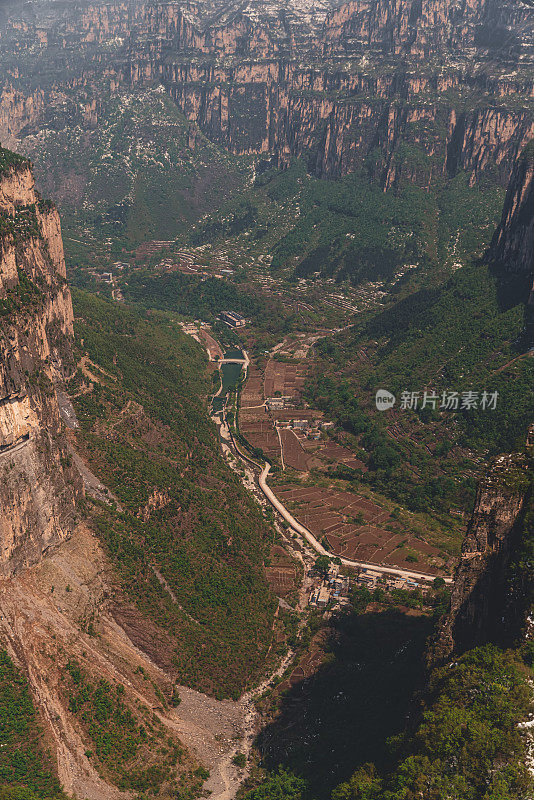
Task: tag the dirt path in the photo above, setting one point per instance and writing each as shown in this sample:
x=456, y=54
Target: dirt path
x=281, y=447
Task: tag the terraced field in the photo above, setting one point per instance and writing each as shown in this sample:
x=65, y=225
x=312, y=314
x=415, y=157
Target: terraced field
x=357, y=528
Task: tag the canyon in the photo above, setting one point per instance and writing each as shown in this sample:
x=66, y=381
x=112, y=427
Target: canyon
x=68, y=607
x=156, y=585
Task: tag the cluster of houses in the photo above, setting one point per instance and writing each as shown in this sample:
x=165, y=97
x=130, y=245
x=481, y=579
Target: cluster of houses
x=311, y=428
x=332, y=591
x=334, y=588
x=279, y=403
x=101, y=277
x=372, y=579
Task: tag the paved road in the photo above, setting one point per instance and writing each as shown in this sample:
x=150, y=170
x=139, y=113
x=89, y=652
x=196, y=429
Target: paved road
x=317, y=546
x=307, y=534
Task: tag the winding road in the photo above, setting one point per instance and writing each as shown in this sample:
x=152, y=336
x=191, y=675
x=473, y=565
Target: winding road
x=317, y=546
x=300, y=529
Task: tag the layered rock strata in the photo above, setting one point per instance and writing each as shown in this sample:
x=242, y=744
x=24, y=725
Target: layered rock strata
x=38, y=483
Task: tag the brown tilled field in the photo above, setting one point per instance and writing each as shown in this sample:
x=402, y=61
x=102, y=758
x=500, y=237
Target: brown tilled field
x=294, y=454
x=282, y=580
x=252, y=393
x=333, y=453
x=255, y=422
x=261, y=433
x=281, y=573
x=354, y=526
x=359, y=529
x=288, y=379
x=309, y=662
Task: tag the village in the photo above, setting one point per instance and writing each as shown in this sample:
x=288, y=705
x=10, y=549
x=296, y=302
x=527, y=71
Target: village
x=274, y=421
x=308, y=453
x=330, y=589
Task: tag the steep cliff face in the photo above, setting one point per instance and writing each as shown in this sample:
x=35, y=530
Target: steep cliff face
x=38, y=484
x=424, y=27
x=399, y=127
x=512, y=248
x=479, y=610
x=410, y=90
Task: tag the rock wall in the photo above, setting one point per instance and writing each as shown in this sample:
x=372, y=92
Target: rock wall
x=482, y=584
x=408, y=90
x=512, y=248
x=401, y=128
x=425, y=27
x=38, y=483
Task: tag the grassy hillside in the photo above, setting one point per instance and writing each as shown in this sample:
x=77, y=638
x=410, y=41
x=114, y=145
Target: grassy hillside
x=129, y=745
x=205, y=299
x=449, y=338
x=467, y=745
x=351, y=229
x=186, y=519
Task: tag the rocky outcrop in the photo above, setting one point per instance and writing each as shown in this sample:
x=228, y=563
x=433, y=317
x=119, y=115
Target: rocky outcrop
x=512, y=248
x=38, y=483
x=18, y=110
x=486, y=581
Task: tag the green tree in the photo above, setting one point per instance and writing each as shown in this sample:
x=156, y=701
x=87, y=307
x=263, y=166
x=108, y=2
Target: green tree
x=365, y=784
x=322, y=565
x=282, y=785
